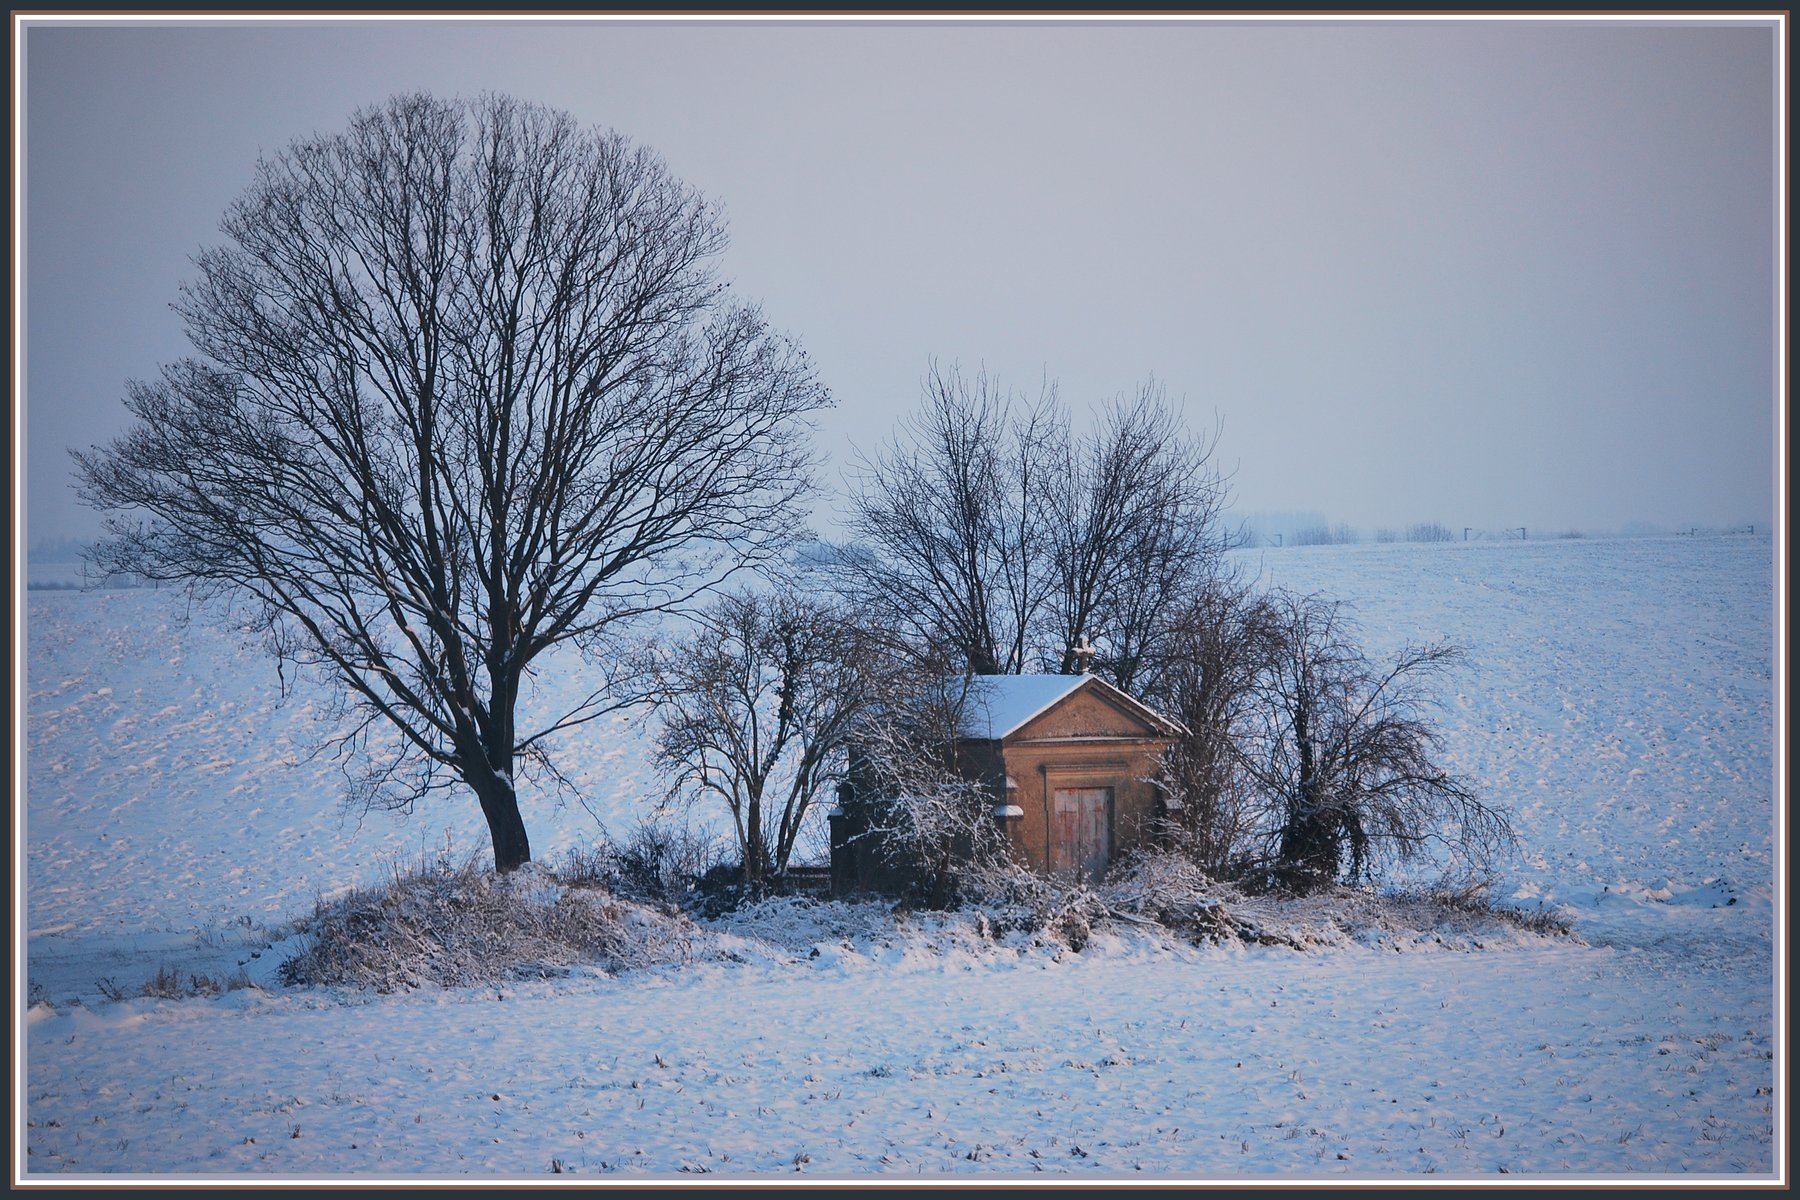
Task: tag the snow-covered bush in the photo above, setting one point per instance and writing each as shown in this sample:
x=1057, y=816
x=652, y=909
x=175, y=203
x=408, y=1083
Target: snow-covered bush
x=457, y=926
x=1010, y=899
x=1168, y=888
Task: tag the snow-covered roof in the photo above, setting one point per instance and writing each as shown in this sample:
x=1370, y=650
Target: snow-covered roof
x=1000, y=705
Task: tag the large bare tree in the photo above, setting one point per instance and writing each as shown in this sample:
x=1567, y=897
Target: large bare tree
x=466, y=387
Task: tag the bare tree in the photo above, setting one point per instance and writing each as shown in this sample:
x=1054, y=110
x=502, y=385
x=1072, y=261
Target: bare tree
x=758, y=705
x=1324, y=535
x=466, y=388
x=1134, y=528
x=1429, y=531
x=1344, y=749
x=990, y=533
x=953, y=514
x=1222, y=641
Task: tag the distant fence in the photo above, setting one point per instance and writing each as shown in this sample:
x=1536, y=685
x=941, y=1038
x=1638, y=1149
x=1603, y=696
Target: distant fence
x=1698, y=531
x=72, y=577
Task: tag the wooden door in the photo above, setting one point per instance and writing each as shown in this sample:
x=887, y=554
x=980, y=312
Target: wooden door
x=1081, y=832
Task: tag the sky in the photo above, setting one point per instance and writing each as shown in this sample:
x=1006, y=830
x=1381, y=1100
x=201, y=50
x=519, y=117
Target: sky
x=1487, y=273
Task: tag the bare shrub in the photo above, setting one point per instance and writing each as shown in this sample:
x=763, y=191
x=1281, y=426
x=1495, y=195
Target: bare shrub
x=592, y=866
x=1429, y=531
x=659, y=865
x=169, y=983
x=1344, y=752
x=662, y=861
x=456, y=926
x=1474, y=900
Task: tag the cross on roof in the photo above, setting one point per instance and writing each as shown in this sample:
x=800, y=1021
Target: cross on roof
x=1084, y=652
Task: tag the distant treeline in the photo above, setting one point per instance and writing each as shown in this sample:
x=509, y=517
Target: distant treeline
x=1321, y=533
x=60, y=550
x=1312, y=529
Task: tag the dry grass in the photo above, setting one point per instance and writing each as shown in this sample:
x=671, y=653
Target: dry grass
x=171, y=984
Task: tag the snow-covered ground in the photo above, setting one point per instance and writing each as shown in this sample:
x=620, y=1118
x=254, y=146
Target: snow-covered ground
x=1618, y=695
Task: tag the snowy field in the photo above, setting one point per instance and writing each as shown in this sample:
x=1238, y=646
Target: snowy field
x=1618, y=696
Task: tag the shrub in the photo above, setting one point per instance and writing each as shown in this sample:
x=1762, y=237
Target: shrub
x=1166, y=887
x=457, y=926
x=1473, y=899
x=661, y=862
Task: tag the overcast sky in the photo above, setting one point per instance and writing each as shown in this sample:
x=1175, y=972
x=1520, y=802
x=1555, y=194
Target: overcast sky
x=1484, y=273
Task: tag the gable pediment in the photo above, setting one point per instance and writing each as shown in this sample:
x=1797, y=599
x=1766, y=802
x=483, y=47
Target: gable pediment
x=1014, y=708
x=1086, y=713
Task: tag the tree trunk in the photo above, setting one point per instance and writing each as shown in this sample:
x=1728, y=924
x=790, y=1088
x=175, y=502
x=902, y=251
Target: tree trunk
x=500, y=805
x=1310, y=853
x=755, y=850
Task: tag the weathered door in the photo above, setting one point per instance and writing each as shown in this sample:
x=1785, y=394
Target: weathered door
x=1080, y=834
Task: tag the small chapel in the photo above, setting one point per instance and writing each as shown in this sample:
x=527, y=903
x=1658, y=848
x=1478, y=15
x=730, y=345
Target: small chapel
x=1064, y=763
